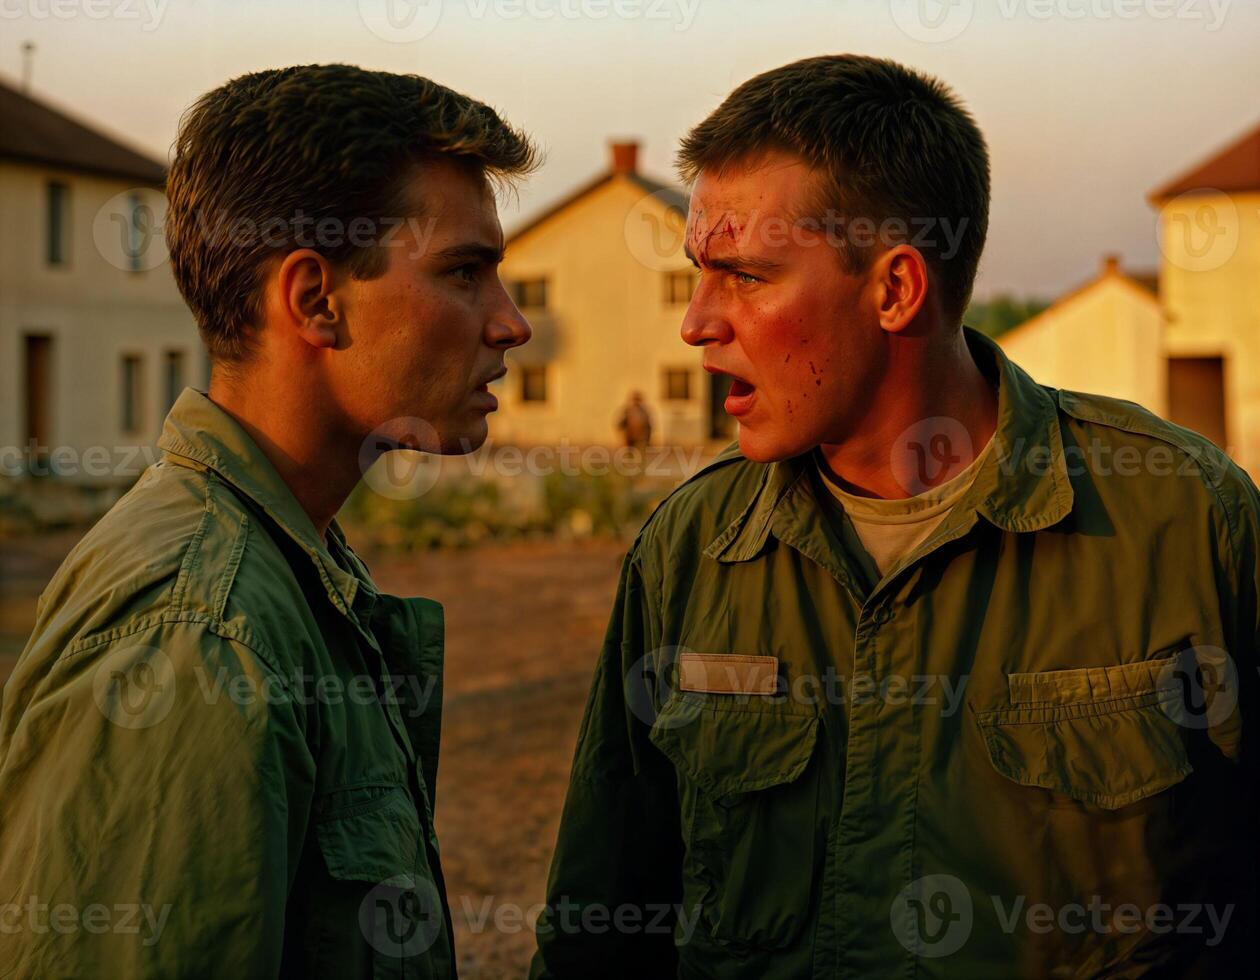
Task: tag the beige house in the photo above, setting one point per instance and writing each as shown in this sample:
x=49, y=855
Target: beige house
x=602, y=278
x=95, y=340
x=1063, y=346
x=1185, y=342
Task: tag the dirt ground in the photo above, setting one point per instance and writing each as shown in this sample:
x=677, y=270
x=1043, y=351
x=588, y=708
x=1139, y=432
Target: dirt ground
x=524, y=623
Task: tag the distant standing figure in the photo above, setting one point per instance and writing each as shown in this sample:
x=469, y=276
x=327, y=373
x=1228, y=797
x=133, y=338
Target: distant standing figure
x=635, y=422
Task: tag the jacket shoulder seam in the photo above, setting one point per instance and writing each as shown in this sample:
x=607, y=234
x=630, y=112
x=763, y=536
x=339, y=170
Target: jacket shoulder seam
x=132, y=626
x=1211, y=470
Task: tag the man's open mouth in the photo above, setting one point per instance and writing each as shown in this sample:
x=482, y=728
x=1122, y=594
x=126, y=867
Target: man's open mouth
x=740, y=398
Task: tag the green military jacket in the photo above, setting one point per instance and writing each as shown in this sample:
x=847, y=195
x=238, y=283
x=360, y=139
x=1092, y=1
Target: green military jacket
x=218, y=750
x=1020, y=753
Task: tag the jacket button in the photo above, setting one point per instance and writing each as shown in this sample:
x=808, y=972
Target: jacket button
x=882, y=615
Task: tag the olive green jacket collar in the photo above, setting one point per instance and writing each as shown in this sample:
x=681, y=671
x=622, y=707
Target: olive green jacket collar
x=1023, y=486
x=199, y=433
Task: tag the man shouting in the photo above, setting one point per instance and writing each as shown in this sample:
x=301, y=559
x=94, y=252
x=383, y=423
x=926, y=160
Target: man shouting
x=917, y=681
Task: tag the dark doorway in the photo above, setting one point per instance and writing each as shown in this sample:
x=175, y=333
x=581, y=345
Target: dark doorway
x=37, y=391
x=1196, y=395
x=721, y=425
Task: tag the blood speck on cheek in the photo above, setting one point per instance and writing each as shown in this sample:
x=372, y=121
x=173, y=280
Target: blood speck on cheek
x=786, y=359
x=811, y=368
x=818, y=382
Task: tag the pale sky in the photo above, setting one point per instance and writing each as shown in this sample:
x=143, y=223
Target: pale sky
x=1087, y=104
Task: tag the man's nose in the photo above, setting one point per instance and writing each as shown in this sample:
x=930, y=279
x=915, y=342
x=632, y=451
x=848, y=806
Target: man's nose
x=507, y=328
x=704, y=322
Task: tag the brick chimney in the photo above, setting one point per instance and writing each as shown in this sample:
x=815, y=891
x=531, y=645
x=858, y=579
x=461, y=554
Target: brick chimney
x=625, y=157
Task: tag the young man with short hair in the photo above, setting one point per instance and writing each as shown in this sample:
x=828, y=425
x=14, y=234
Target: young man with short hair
x=898, y=688
x=221, y=730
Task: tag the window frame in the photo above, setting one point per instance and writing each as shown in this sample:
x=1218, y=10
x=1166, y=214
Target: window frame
x=531, y=293
x=673, y=295
x=131, y=390
x=538, y=372
x=671, y=374
x=57, y=228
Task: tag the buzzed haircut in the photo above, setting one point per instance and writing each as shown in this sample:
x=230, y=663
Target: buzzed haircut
x=891, y=144
x=311, y=156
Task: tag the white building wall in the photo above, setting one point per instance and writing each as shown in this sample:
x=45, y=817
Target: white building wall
x=95, y=307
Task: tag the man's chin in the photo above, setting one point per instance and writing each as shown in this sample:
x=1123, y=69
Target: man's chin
x=769, y=447
x=472, y=438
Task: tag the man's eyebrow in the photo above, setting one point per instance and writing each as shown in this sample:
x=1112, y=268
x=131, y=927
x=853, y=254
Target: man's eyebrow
x=490, y=254
x=736, y=263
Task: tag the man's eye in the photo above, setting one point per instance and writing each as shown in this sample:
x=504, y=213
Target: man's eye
x=745, y=278
x=467, y=272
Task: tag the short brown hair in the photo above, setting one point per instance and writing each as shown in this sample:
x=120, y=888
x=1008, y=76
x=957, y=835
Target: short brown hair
x=891, y=142
x=294, y=157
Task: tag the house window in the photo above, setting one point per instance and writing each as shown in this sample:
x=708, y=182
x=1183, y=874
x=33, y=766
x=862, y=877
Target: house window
x=37, y=385
x=680, y=285
x=136, y=242
x=531, y=294
x=533, y=384
x=132, y=380
x=58, y=223
x=677, y=386
x=174, y=372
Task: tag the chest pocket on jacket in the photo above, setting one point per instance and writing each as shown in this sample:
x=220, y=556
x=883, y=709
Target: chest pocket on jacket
x=1106, y=736
x=750, y=814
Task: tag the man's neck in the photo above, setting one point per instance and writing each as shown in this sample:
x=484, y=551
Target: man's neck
x=297, y=440
x=935, y=406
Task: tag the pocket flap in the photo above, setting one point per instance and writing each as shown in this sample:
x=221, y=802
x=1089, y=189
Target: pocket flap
x=376, y=840
x=725, y=750
x=1093, y=684
x=1108, y=758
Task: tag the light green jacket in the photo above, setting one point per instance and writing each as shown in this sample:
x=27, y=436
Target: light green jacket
x=218, y=751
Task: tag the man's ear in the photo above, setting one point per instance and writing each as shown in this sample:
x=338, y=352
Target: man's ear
x=902, y=277
x=306, y=279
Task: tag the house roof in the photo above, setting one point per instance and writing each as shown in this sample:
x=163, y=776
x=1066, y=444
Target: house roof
x=671, y=197
x=1235, y=168
x=34, y=132
x=1148, y=279
x=1145, y=283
